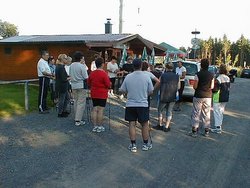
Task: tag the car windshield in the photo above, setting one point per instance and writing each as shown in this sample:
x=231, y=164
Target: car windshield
x=190, y=67
x=246, y=70
x=212, y=69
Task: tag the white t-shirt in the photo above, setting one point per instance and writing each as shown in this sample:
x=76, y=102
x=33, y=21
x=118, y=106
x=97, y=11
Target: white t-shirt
x=112, y=67
x=42, y=66
x=67, y=68
x=93, y=66
x=179, y=71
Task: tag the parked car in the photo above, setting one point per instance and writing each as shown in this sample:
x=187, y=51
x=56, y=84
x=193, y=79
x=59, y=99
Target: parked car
x=245, y=73
x=192, y=68
x=233, y=72
x=213, y=69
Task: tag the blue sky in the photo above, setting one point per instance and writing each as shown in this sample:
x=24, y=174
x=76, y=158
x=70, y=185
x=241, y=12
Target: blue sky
x=170, y=21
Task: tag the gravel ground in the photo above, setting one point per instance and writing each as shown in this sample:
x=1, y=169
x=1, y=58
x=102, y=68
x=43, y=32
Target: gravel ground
x=45, y=151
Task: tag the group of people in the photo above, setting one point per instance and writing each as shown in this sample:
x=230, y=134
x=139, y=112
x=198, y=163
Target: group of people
x=137, y=84
x=66, y=81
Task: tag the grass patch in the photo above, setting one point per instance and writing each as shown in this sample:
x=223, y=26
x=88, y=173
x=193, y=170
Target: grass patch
x=12, y=99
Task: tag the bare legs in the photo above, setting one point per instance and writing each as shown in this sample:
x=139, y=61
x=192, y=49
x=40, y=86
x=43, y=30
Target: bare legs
x=97, y=115
x=132, y=130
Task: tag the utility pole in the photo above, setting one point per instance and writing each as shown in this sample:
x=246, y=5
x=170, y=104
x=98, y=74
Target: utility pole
x=120, y=16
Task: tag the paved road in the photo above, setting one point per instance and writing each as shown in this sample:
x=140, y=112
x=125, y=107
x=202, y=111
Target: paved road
x=44, y=151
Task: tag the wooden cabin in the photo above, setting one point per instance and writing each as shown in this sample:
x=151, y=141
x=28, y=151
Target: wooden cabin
x=19, y=54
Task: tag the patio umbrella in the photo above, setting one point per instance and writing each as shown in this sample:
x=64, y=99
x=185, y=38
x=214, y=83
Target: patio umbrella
x=144, y=54
x=152, y=59
x=166, y=58
x=175, y=56
x=124, y=56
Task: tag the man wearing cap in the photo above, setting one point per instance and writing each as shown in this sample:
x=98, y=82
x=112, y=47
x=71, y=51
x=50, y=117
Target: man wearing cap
x=137, y=104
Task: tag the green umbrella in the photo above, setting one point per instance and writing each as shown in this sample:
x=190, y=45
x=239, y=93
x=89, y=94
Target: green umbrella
x=152, y=59
x=166, y=58
x=124, y=56
x=144, y=54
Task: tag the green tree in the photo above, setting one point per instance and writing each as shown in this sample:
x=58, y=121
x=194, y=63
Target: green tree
x=244, y=49
x=236, y=59
x=7, y=29
x=206, y=48
x=225, y=47
x=216, y=54
x=234, y=49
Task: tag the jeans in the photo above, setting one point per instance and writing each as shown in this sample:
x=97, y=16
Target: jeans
x=63, y=102
x=219, y=109
x=169, y=108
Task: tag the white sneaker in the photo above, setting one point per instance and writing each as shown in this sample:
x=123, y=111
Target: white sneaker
x=101, y=128
x=80, y=123
x=146, y=147
x=132, y=148
x=216, y=130
x=121, y=96
x=96, y=129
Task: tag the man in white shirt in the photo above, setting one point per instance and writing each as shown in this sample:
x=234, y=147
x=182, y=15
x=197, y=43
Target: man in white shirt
x=44, y=75
x=181, y=71
x=112, y=69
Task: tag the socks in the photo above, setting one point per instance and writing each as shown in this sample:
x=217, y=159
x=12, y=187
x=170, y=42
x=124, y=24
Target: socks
x=133, y=142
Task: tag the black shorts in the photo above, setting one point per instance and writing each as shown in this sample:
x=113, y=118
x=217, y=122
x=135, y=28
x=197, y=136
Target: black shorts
x=112, y=80
x=99, y=102
x=140, y=114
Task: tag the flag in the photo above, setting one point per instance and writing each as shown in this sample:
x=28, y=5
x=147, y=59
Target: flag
x=175, y=56
x=166, y=58
x=144, y=54
x=124, y=56
x=152, y=59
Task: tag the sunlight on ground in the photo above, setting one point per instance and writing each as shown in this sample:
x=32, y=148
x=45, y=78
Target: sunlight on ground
x=145, y=173
x=159, y=138
x=46, y=138
x=237, y=115
x=3, y=139
x=5, y=114
x=14, y=108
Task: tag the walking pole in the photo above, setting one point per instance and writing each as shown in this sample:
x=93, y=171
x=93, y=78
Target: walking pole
x=88, y=106
x=150, y=136
x=109, y=113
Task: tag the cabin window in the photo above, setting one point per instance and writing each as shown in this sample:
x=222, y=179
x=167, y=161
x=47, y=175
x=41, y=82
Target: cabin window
x=7, y=50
